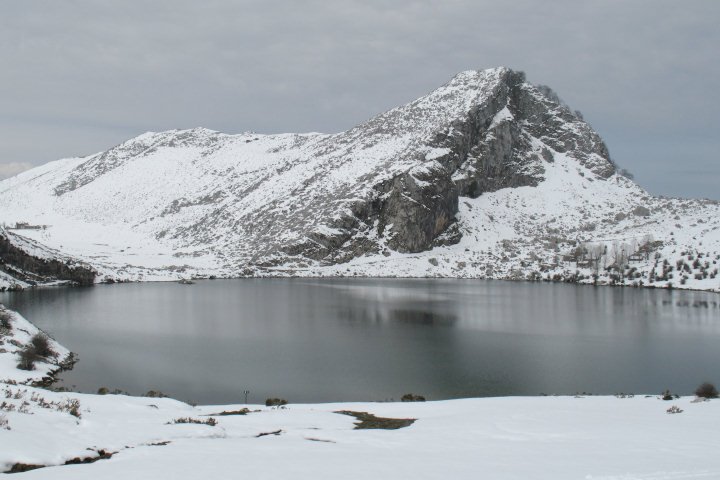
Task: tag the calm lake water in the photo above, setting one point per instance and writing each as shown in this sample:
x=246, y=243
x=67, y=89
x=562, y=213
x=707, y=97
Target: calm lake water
x=376, y=339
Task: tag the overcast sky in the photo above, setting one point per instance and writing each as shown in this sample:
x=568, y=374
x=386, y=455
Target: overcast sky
x=79, y=76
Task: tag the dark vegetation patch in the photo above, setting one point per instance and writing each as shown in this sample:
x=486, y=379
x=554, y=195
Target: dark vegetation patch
x=38, y=349
x=101, y=455
x=19, y=264
x=155, y=394
x=210, y=421
x=5, y=319
x=41, y=345
x=370, y=421
x=707, y=390
x=264, y=434
x=115, y=391
x=667, y=395
x=411, y=397
x=227, y=413
x=26, y=467
x=28, y=357
x=275, y=402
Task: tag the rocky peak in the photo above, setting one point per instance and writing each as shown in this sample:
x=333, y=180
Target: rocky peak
x=500, y=133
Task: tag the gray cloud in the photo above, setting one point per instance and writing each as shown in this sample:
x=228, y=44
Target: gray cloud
x=82, y=75
x=13, y=168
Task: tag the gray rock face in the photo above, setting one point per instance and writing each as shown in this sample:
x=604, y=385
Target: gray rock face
x=418, y=207
x=493, y=146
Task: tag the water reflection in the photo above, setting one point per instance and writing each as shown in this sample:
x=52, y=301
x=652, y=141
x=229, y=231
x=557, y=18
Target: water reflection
x=375, y=339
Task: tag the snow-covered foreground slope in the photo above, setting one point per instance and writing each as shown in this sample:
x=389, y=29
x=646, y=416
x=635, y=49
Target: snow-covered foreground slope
x=500, y=438
x=487, y=176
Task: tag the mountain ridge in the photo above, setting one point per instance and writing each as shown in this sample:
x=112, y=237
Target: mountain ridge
x=424, y=177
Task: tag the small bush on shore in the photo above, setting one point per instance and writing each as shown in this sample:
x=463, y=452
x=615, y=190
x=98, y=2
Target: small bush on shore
x=5, y=318
x=411, y=397
x=41, y=344
x=38, y=349
x=707, y=390
x=275, y=402
x=28, y=357
x=155, y=394
x=116, y=391
x=667, y=395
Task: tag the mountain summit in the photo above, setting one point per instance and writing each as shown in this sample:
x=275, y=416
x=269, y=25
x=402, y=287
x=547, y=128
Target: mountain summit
x=487, y=176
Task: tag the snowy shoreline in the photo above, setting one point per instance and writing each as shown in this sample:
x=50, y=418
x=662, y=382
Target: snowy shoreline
x=685, y=288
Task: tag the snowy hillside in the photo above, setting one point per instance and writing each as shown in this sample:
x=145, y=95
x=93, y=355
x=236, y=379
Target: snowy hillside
x=487, y=176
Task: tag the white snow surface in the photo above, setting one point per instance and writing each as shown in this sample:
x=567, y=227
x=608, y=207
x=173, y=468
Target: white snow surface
x=176, y=204
x=550, y=438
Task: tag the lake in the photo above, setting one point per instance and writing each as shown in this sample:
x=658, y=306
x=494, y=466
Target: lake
x=320, y=340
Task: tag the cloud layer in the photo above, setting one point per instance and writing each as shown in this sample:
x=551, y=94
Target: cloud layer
x=11, y=169
x=82, y=75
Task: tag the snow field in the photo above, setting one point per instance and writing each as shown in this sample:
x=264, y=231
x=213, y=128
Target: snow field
x=500, y=438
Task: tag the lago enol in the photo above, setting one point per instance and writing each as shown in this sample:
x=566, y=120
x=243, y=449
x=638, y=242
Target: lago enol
x=317, y=340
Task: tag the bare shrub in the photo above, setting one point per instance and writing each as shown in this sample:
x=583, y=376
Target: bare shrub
x=41, y=344
x=28, y=357
x=210, y=421
x=411, y=397
x=155, y=394
x=4, y=425
x=5, y=319
x=707, y=390
x=71, y=406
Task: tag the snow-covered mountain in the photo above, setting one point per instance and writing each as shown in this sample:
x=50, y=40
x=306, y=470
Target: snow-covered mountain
x=487, y=176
